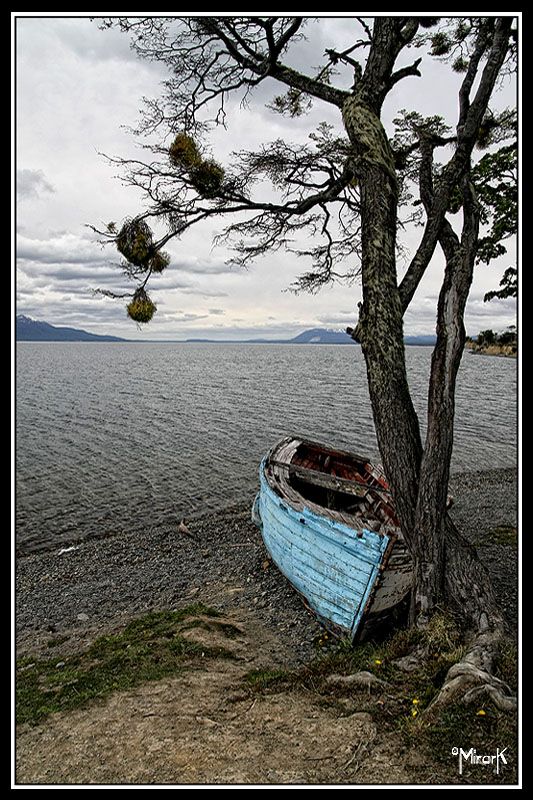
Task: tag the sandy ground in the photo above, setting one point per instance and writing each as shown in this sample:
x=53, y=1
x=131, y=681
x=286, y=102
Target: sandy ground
x=206, y=726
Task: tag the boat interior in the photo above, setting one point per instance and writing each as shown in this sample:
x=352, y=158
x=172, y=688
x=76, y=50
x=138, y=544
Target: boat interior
x=339, y=482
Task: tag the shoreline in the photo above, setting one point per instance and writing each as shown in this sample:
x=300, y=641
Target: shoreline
x=74, y=595
x=498, y=350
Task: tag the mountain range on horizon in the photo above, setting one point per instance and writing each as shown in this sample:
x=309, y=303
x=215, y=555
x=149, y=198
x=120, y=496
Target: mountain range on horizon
x=30, y=330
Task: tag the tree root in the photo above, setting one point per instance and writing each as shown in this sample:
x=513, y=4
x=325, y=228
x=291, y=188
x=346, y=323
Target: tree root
x=357, y=679
x=471, y=680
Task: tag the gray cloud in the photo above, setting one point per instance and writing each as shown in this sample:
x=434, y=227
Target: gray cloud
x=203, y=292
x=180, y=316
x=61, y=248
x=77, y=87
x=32, y=183
x=340, y=317
x=198, y=266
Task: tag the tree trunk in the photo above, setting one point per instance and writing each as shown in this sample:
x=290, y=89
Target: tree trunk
x=419, y=476
x=380, y=331
x=430, y=520
x=446, y=567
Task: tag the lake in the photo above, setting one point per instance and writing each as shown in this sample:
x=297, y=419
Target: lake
x=115, y=436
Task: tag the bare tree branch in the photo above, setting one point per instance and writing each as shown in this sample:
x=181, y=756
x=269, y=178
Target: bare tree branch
x=466, y=136
x=405, y=72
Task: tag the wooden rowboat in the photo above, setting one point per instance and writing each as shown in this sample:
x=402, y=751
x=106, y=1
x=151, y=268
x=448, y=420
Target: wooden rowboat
x=329, y=524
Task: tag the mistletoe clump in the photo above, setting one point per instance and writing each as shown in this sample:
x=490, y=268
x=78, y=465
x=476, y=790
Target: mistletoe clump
x=159, y=262
x=205, y=175
x=141, y=309
x=183, y=152
x=135, y=242
x=440, y=44
x=207, y=178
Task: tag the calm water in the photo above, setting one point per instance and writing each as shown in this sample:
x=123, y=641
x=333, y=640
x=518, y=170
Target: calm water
x=120, y=436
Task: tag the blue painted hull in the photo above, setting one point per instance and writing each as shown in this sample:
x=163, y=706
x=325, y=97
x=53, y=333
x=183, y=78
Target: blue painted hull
x=334, y=566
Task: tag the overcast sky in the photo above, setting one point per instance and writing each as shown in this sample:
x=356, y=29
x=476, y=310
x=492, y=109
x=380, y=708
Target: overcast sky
x=77, y=87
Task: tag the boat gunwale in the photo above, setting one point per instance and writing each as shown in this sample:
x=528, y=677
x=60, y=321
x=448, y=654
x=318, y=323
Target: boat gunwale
x=279, y=483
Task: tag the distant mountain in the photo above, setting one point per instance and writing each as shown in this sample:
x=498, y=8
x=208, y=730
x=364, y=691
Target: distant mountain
x=322, y=336
x=428, y=340
x=316, y=336
x=313, y=336
x=31, y=330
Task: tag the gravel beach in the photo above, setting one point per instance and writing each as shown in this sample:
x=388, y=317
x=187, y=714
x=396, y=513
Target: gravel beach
x=74, y=594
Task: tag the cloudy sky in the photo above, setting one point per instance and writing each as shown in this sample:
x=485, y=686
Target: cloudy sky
x=77, y=89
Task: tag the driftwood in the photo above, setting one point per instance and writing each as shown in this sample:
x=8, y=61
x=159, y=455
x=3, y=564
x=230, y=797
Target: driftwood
x=182, y=528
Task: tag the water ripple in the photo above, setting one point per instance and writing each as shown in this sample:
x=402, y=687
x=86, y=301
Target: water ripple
x=118, y=436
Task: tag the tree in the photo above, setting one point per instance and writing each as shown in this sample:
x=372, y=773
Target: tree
x=508, y=337
x=348, y=192
x=486, y=337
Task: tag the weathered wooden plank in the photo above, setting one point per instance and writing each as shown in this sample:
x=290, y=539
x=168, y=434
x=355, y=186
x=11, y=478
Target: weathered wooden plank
x=336, y=588
x=333, y=558
x=356, y=552
x=327, y=572
x=339, y=608
x=324, y=593
x=325, y=480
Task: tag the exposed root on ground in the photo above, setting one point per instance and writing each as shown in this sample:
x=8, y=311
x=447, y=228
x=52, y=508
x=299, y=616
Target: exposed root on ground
x=471, y=680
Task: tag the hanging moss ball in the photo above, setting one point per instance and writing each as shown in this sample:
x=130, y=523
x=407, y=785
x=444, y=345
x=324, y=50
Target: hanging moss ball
x=159, y=262
x=183, y=152
x=207, y=178
x=135, y=242
x=141, y=309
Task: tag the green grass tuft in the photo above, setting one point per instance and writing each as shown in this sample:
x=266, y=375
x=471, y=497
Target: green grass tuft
x=261, y=679
x=149, y=648
x=57, y=641
x=503, y=534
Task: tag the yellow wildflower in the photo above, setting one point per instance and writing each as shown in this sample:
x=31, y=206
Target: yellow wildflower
x=414, y=712
x=378, y=662
x=415, y=701
x=480, y=713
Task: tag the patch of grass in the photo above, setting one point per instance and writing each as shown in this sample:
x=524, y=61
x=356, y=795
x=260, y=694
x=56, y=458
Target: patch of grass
x=263, y=679
x=227, y=628
x=463, y=727
x=503, y=534
x=506, y=665
x=398, y=707
x=149, y=648
x=440, y=642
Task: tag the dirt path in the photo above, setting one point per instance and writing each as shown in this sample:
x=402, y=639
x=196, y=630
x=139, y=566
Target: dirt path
x=207, y=726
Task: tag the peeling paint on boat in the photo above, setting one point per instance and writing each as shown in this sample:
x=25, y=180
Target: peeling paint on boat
x=332, y=565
